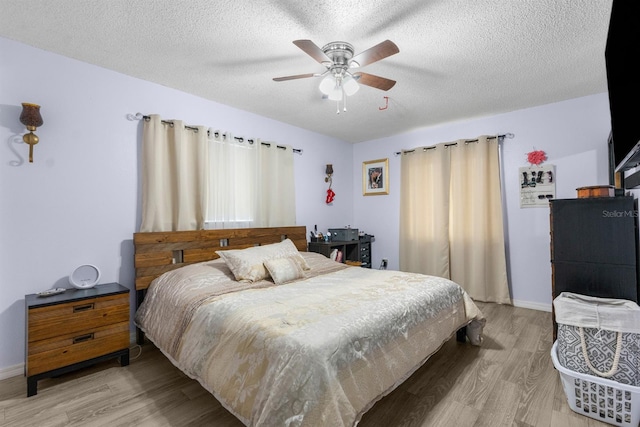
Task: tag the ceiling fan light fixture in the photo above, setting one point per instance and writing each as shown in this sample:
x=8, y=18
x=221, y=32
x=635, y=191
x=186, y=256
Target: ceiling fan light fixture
x=327, y=84
x=350, y=85
x=336, y=93
x=338, y=57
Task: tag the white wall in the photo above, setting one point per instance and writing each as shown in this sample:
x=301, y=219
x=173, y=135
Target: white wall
x=78, y=201
x=573, y=134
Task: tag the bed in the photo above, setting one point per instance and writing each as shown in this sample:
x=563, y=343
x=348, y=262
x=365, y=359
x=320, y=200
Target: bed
x=285, y=337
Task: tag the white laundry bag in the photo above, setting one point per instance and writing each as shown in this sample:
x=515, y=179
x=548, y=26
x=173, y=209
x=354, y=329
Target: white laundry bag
x=599, y=336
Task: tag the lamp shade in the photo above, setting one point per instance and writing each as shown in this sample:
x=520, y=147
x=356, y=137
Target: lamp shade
x=350, y=85
x=336, y=93
x=327, y=84
x=30, y=115
x=329, y=170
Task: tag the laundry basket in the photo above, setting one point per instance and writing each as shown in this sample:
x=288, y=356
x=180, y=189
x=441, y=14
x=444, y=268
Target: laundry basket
x=599, y=398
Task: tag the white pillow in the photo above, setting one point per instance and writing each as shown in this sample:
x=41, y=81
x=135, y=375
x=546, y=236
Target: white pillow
x=247, y=264
x=284, y=270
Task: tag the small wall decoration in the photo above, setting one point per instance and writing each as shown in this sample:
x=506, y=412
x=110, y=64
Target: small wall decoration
x=537, y=183
x=537, y=186
x=375, y=177
x=330, y=193
x=536, y=157
x=330, y=196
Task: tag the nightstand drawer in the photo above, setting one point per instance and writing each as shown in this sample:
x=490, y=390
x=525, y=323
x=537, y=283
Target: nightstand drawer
x=73, y=317
x=53, y=353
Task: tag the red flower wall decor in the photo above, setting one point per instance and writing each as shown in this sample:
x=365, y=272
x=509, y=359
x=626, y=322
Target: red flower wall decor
x=536, y=157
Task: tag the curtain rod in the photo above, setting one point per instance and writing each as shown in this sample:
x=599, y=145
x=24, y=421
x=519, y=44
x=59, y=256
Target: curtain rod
x=140, y=116
x=466, y=141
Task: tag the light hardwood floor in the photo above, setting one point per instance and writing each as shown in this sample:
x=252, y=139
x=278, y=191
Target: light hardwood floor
x=509, y=381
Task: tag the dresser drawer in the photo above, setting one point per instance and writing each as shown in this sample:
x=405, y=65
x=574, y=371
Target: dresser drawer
x=77, y=316
x=48, y=354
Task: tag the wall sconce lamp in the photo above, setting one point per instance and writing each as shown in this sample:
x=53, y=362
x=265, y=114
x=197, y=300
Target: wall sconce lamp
x=329, y=172
x=31, y=118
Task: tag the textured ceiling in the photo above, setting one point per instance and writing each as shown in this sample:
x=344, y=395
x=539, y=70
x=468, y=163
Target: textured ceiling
x=458, y=59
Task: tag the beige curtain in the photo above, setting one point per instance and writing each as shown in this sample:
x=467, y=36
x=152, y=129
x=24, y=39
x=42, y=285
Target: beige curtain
x=424, y=211
x=276, y=205
x=451, y=216
x=193, y=179
x=174, y=175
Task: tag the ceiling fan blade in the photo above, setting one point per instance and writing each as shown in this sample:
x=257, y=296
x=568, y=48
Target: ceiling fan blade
x=376, y=53
x=311, y=49
x=374, y=81
x=297, y=76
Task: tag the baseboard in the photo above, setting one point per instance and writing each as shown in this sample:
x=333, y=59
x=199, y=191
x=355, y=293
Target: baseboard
x=532, y=305
x=12, y=371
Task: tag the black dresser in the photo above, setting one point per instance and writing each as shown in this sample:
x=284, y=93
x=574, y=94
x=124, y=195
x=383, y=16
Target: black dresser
x=594, y=247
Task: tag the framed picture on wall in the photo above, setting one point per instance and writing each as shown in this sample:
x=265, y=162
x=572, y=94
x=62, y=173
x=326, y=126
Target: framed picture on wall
x=375, y=177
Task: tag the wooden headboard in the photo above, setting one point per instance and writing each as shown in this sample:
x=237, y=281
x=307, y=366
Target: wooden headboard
x=162, y=251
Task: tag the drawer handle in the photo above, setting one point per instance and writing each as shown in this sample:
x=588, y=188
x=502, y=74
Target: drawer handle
x=79, y=308
x=83, y=338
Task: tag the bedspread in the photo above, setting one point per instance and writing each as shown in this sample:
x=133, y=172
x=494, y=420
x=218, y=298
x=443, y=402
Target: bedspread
x=315, y=352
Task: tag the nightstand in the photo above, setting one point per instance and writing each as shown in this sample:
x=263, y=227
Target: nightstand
x=75, y=329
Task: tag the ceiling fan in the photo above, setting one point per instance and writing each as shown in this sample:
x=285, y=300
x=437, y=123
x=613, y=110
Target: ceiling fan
x=338, y=58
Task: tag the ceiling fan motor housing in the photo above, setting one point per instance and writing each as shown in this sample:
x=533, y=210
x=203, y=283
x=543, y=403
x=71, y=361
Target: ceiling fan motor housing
x=340, y=54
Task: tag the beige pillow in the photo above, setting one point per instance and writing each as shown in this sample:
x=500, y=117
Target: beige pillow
x=248, y=264
x=284, y=270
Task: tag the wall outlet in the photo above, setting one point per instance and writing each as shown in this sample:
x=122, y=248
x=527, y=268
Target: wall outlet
x=383, y=264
